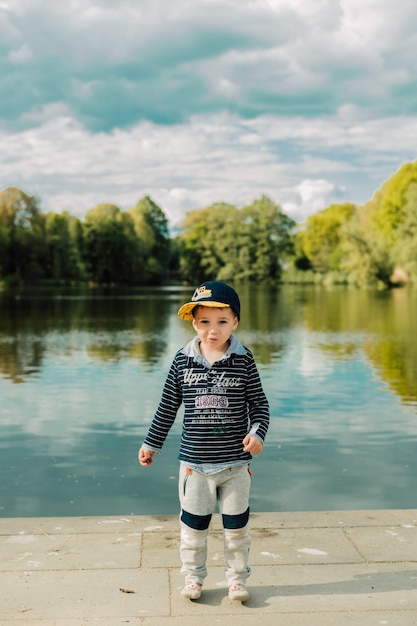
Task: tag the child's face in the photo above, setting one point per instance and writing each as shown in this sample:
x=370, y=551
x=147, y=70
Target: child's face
x=214, y=326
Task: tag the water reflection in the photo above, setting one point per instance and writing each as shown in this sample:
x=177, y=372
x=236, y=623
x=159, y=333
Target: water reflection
x=388, y=326
x=108, y=327
x=81, y=374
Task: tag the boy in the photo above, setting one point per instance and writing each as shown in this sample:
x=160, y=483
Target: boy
x=226, y=417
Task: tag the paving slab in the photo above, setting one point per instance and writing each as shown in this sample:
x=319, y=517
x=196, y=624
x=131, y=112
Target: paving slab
x=345, y=618
x=79, y=525
x=282, y=546
x=82, y=551
x=326, y=519
x=354, y=618
x=310, y=588
x=387, y=543
x=337, y=568
x=84, y=594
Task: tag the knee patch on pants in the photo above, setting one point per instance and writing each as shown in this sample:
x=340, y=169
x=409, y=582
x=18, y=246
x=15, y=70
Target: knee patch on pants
x=197, y=522
x=236, y=521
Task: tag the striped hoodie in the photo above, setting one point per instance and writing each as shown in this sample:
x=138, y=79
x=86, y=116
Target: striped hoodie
x=222, y=403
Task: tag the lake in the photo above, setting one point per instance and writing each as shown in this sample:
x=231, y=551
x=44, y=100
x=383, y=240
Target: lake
x=81, y=373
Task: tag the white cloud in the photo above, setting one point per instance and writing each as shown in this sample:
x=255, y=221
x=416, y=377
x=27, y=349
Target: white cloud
x=23, y=55
x=313, y=196
x=302, y=164
x=308, y=101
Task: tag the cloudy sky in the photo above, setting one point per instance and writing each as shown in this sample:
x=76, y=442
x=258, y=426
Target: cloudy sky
x=195, y=101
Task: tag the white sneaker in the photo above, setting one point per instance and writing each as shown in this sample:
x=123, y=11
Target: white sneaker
x=238, y=592
x=191, y=590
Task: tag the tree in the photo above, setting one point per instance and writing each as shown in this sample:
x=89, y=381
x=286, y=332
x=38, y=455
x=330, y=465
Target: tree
x=21, y=236
x=225, y=243
x=382, y=238
x=321, y=241
x=269, y=235
x=392, y=202
x=151, y=228
x=404, y=252
x=63, y=244
x=110, y=246
x=366, y=259
x=206, y=239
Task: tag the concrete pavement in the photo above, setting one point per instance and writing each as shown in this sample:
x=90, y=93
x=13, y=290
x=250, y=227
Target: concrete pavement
x=348, y=568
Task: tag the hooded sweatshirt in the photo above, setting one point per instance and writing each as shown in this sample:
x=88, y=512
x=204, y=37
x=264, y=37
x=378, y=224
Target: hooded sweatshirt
x=222, y=403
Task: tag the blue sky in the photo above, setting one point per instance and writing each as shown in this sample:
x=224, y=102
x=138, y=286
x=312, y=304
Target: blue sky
x=191, y=102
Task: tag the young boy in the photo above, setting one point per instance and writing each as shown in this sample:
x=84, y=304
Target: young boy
x=226, y=417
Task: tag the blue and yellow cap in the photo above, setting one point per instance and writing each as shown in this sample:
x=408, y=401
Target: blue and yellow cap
x=212, y=293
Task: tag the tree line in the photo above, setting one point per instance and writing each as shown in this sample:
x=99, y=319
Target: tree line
x=372, y=244
x=109, y=246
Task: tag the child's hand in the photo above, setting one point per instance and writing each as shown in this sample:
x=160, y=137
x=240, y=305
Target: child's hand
x=252, y=445
x=145, y=457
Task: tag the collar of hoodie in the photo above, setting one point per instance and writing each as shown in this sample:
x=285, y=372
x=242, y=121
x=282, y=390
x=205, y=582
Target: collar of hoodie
x=192, y=349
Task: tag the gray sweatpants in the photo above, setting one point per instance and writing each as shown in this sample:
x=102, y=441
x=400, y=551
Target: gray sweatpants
x=199, y=495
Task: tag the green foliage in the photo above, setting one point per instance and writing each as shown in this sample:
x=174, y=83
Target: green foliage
x=268, y=233
x=404, y=252
x=201, y=240
x=21, y=236
x=366, y=259
x=375, y=244
x=392, y=202
x=382, y=239
x=110, y=246
x=62, y=247
x=225, y=243
x=152, y=230
x=321, y=241
x=367, y=245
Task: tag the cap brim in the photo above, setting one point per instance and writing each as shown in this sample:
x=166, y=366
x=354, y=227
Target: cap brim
x=186, y=311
